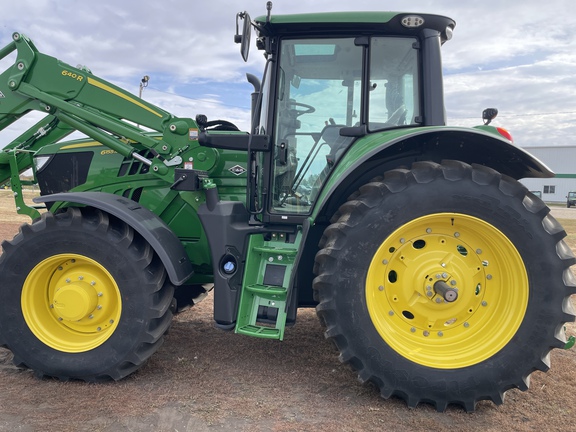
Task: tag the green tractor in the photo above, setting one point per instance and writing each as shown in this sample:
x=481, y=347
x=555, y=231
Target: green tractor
x=437, y=275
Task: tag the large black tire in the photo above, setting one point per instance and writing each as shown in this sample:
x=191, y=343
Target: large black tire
x=444, y=284
x=83, y=296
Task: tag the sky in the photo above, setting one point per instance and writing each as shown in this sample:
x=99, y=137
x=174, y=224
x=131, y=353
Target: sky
x=518, y=56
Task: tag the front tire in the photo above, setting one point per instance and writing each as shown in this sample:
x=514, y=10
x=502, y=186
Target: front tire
x=444, y=284
x=83, y=296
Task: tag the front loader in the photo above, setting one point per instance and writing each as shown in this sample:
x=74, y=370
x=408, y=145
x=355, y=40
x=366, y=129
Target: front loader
x=438, y=276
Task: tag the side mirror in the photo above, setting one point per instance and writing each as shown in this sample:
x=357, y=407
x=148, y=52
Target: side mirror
x=243, y=38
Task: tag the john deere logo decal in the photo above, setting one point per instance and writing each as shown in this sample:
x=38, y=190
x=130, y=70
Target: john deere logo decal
x=237, y=170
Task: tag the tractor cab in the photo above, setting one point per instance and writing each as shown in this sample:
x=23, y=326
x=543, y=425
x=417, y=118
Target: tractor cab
x=324, y=87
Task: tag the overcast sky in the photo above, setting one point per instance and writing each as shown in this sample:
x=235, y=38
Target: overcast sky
x=516, y=55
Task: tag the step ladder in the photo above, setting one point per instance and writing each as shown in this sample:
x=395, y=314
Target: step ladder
x=265, y=294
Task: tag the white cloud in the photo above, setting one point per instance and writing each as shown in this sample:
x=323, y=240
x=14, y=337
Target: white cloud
x=517, y=55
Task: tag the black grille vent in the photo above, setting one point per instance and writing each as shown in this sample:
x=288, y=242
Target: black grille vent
x=133, y=194
x=131, y=166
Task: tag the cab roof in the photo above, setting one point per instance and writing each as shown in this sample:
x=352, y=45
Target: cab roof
x=334, y=23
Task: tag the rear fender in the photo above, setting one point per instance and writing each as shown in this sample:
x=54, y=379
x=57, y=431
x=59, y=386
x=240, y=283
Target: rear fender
x=154, y=230
x=375, y=154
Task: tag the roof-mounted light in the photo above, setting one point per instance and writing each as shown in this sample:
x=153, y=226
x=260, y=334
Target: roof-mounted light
x=412, y=21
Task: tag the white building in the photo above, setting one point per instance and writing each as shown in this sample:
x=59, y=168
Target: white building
x=561, y=160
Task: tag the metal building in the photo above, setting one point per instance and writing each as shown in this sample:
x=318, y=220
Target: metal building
x=561, y=160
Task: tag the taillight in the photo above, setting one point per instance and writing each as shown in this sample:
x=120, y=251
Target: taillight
x=505, y=133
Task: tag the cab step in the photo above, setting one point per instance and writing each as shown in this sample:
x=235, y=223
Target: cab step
x=265, y=293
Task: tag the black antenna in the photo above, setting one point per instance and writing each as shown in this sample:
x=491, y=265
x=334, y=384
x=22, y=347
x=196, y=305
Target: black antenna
x=268, y=8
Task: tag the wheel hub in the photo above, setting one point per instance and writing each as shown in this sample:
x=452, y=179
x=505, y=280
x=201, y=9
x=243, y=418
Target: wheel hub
x=75, y=301
x=448, y=293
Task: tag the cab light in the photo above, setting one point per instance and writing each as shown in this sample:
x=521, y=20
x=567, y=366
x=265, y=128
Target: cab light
x=505, y=133
x=412, y=21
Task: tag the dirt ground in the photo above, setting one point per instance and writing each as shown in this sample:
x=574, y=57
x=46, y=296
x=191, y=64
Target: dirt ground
x=204, y=379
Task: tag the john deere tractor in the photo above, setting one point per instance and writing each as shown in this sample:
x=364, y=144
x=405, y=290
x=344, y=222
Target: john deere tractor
x=438, y=276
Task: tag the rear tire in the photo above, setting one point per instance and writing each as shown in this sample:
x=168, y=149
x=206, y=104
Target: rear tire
x=400, y=242
x=83, y=296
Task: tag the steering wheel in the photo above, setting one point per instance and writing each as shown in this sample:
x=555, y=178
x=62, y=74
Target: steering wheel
x=397, y=116
x=309, y=108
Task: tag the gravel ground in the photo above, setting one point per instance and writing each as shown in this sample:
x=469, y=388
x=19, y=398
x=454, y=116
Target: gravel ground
x=563, y=213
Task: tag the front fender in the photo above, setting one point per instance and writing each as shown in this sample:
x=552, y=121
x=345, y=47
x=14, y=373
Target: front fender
x=377, y=153
x=154, y=230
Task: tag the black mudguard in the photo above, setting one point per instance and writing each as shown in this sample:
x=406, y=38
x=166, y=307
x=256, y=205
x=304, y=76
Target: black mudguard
x=164, y=242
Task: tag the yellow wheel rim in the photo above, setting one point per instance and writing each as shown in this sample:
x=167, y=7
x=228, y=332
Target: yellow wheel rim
x=71, y=303
x=447, y=290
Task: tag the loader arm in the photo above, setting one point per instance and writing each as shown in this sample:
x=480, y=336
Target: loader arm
x=75, y=99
